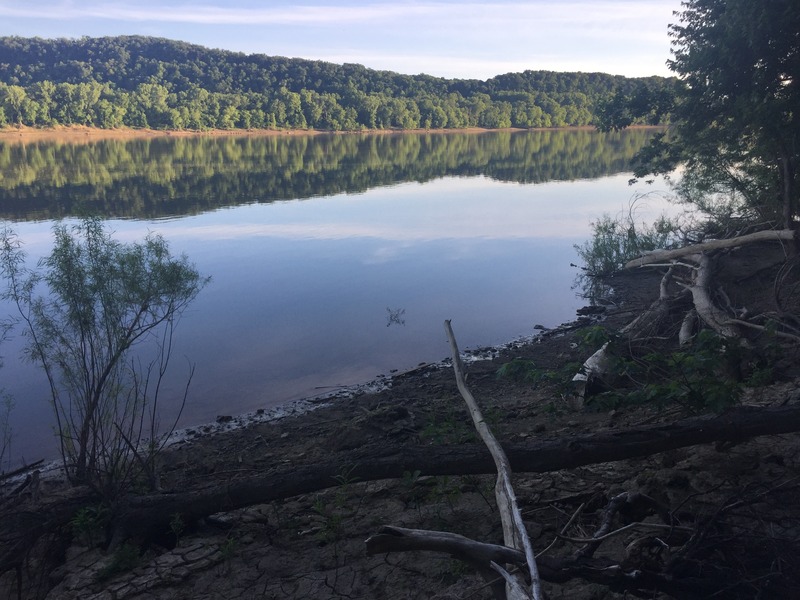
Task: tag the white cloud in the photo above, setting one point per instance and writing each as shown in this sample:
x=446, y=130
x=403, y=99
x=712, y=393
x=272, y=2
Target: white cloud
x=449, y=39
x=217, y=15
x=483, y=14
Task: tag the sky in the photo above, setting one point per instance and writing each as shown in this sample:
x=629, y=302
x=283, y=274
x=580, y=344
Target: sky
x=474, y=39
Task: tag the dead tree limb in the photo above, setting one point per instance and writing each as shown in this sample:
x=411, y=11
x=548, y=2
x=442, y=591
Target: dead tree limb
x=477, y=554
x=514, y=532
x=734, y=426
x=710, y=313
x=666, y=255
x=552, y=569
x=152, y=512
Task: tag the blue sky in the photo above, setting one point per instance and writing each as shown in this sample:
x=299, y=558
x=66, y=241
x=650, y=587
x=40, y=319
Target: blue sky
x=473, y=39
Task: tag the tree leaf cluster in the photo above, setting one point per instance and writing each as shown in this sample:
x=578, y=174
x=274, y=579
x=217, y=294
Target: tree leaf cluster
x=735, y=124
x=138, y=81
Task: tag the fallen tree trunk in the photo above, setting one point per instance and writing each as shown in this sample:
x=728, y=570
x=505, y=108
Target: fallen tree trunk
x=658, y=256
x=734, y=426
x=150, y=514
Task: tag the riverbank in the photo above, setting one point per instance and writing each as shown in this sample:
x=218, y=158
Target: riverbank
x=79, y=133
x=311, y=545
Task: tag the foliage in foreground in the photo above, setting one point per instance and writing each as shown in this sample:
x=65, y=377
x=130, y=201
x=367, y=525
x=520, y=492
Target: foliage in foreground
x=707, y=375
x=84, y=311
x=616, y=241
x=704, y=376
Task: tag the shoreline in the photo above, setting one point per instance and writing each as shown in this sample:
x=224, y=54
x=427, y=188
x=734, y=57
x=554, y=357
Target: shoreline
x=81, y=133
x=231, y=424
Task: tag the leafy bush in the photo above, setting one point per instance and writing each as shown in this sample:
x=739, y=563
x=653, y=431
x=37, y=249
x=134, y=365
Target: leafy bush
x=616, y=241
x=103, y=299
x=699, y=378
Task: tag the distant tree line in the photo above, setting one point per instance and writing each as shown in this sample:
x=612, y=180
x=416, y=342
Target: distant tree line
x=144, y=82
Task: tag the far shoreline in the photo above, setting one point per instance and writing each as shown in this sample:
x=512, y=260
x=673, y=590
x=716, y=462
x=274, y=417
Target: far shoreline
x=82, y=133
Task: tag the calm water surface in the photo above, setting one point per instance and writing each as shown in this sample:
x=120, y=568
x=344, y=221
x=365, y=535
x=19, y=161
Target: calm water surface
x=333, y=260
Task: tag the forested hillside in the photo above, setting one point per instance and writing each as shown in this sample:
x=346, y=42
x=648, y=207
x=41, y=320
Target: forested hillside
x=135, y=81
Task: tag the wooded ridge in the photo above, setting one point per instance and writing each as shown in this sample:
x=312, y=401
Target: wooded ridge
x=136, y=81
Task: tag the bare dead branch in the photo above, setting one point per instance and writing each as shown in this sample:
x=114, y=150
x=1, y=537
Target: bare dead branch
x=785, y=235
x=514, y=532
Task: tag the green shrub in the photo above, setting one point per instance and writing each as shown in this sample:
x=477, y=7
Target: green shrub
x=616, y=241
x=702, y=377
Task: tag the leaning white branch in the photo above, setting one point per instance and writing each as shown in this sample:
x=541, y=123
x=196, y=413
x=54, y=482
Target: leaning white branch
x=714, y=316
x=514, y=532
x=665, y=255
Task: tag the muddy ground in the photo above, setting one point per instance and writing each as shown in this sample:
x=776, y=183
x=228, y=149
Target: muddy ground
x=313, y=545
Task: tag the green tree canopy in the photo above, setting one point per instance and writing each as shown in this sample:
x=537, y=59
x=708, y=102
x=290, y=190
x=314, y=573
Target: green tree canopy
x=736, y=124
x=138, y=81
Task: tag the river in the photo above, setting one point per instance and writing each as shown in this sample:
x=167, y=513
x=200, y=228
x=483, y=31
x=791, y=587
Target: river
x=333, y=259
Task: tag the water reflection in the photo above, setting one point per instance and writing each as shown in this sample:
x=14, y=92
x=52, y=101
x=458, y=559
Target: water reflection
x=395, y=316
x=162, y=177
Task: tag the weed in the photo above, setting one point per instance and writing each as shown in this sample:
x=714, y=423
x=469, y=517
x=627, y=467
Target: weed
x=413, y=491
x=410, y=478
x=519, y=369
x=345, y=476
x=89, y=524
x=594, y=337
x=332, y=529
x=449, y=428
x=177, y=526
x=228, y=550
x=484, y=487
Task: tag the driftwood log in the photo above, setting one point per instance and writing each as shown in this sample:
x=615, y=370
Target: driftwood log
x=514, y=533
x=698, y=261
x=661, y=256
x=152, y=512
x=734, y=426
